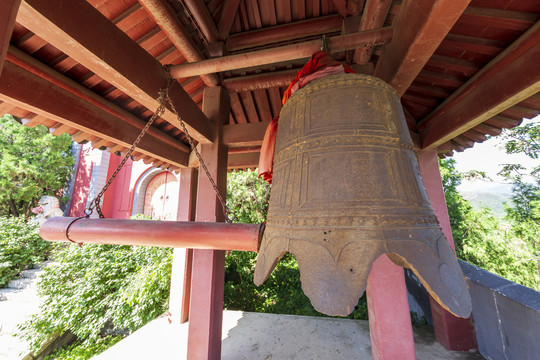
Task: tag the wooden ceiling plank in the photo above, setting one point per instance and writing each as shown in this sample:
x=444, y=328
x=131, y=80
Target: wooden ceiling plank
x=204, y=20
x=44, y=91
x=499, y=18
x=100, y=46
x=228, y=14
x=63, y=128
x=508, y=79
x=249, y=106
x=298, y=9
x=275, y=100
x=237, y=109
x=487, y=129
x=281, y=53
x=254, y=13
x=464, y=141
x=283, y=11
x=503, y=122
x=261, y=100
x=241, y=135
x=243, y=161
x=433, y=91
x=268, y=13
x=375, y=12
x=8, y=14
x=280, y=33
x=473, y=135
x=419, y=28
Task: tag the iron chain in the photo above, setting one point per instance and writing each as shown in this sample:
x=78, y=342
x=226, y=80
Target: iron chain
x=162, y=99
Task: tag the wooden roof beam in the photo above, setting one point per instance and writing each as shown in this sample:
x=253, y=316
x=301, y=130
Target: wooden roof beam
x=507, y=80
x=164, y=16
x=228, y=13
x=29, y=84
x=281, y=53
x=373, y=16
x=204, y=20
x=8, y=13
x=243, y=135
x=96, y=43
x=280, y=33
x=419, y=28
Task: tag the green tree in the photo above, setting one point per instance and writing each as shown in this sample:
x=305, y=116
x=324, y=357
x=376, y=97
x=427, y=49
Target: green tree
x=33, y=163
x=507, y=249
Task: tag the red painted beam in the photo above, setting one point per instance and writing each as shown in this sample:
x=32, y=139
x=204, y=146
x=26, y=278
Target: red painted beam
x=241, y=135
x=508, y=79
x=208, y=278
x=96, y=43
x=228, y=13
x=373, y=16
x=282, y=53
x=8, y=13
x=453, y=333
x=164, y=16
x=390, y=327
x=419, y=28
x=31, y=85
x=181, y=234
x=260, y=81
x=183, y=258
x=280, y=33
x=202, y=17
x=243, y=161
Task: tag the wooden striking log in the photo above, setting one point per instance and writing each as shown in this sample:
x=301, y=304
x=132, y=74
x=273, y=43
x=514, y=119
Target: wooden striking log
x=179, y=234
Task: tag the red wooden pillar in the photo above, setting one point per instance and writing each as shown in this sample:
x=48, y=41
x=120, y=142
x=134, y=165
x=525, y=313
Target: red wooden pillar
x=8, y=13
x=206, y=313
x=390, y=326
x=452, y=332
x=183, y=258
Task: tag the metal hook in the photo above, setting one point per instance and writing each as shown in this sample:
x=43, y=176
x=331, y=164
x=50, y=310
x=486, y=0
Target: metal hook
x=325, y=46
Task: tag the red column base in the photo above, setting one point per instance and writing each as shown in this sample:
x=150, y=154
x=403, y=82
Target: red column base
x=454, y=333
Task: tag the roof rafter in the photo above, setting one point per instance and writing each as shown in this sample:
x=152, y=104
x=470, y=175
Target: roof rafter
x=419, y=28
x=99, y=45
x=27, y=83
x=281, y=53
x=511, y=77
x=8, y=13
x=164, y=16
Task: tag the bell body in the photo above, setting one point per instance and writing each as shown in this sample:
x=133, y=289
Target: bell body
x=346, y=189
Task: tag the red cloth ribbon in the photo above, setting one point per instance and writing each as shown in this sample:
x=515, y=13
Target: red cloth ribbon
x=321, y=64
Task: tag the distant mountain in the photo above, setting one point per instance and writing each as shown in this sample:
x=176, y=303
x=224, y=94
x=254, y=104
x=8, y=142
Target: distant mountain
x=492, y=198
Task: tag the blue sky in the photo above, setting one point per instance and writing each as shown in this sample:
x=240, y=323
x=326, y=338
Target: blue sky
x=488, y=156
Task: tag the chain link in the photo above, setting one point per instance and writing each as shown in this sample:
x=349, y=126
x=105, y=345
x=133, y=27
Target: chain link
x=162, y=99
x=229, y=217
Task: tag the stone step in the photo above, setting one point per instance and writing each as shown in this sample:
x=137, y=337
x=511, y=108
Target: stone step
x=43, y=265
x=31, y=273
x=20, y=283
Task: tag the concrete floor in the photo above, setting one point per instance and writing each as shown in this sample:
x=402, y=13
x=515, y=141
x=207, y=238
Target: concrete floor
x=268, y=336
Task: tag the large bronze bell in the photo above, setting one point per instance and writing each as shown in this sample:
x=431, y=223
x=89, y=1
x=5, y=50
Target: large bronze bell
x=346, y=189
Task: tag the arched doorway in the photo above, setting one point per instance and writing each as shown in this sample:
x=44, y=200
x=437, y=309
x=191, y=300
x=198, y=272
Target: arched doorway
x=161, y=197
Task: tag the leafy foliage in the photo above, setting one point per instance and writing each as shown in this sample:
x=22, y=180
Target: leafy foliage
x=20, y=247
x=95, y=290
x=33, y=163
x=509, y=248
x=84, y=350
x=282, y=293
x=247, y=197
